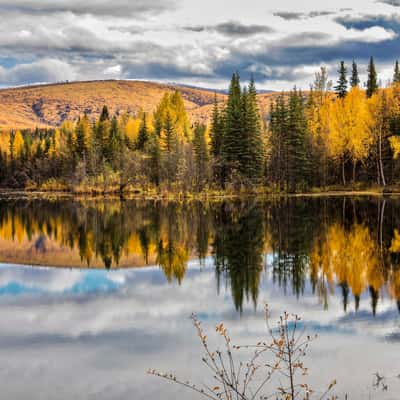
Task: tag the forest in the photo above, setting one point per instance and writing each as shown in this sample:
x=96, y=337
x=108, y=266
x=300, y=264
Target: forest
x=332, y=136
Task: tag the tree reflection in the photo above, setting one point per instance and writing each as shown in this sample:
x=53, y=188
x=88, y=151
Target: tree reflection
x=347, y=247
x=238, y=249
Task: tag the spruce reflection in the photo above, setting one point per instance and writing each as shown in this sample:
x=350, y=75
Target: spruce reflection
x=238, y=249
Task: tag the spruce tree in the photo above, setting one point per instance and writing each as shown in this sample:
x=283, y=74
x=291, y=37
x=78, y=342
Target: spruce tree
x=169, y=149
x=101, y=137
x=81, y=133
x=278, y=128
x=255, y=167
x=201, y=155
x=298, y=155
x=105, y=115
x=372, y=83
x=114, y=145
x=153, y=150
x=355, y=80
x=216, y=130
x=396, y=75
x=341, y=87
x=143, y=135
x=233, y=133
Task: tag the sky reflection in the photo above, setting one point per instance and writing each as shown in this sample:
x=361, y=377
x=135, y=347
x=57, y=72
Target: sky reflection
x=87, y=334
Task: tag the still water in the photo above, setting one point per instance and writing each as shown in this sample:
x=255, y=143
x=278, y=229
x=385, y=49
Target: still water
x=94, y=293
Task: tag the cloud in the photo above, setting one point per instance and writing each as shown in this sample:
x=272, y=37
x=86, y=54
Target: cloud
x=46, y=70
x=120, y=8
x=394, y=3
x=290, y=15
x=361, y=22
x=238, y=29
x=231, y=28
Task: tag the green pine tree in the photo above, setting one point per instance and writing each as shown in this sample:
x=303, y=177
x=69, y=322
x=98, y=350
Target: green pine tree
x=341, y=87
x=153, y=150
x=396, y=75
x=114, y=145
x=216, y=130
x=255, y=167
x=372, y=83
x=169, y=149
x=143, y=135
x=297, y=144
x=231, y=150
x=216, y=141
x=355, y=80
x=201, y=155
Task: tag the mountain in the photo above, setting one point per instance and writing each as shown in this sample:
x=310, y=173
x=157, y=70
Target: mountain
x=49, y=105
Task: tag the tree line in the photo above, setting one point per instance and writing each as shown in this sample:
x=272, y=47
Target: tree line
x=328, y=135
x=336, y=135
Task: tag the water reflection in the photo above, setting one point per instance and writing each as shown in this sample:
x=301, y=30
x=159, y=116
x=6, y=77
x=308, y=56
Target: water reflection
x=347, y=247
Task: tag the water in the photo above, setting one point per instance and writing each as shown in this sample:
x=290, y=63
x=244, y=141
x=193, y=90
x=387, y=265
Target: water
x=116, y=283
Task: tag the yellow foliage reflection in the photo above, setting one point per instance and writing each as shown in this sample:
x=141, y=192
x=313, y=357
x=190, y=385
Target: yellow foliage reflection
x=348, y=257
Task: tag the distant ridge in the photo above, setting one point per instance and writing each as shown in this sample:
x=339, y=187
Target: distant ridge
x=49, y=104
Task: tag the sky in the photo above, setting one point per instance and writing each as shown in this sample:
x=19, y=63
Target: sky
x=196, y=42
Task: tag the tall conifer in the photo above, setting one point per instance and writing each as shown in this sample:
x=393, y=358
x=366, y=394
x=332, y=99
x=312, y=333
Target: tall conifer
x=396, y=75
x=372, y=83
x=341, y=87
x=355, y=80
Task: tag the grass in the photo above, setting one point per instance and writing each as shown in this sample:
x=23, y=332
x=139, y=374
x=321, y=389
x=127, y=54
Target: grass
x=109, y=186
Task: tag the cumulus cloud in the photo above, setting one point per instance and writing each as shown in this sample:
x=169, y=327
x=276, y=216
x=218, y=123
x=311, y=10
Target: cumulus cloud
x=94, y=7
x=290, y=15
x=394, y=3
x=46, y=70
x=173, y=40
x=231, y=28
x=361, y=22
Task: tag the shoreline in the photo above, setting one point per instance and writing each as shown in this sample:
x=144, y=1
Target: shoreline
x=18, y=193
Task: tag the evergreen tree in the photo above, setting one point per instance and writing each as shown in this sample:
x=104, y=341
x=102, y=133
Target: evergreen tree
x=372, y=83
x=143, y=135
x=255, y=151
x=396, y=75
x=355, y=80
x=82, y=133
x=231, y=150
x=278, y=127
x=153, y=150
x=297, y=143
x=114, y=145
x=216, y=140
x=341, y=87
x=169, y=149
x=201, y=155
x=105, y=115
x=216, y=130
x=101, y=138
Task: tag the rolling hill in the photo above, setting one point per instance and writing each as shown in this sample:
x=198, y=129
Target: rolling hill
x=49, y=105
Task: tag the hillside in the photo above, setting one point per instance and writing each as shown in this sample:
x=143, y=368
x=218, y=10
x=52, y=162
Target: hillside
x=49, y=105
